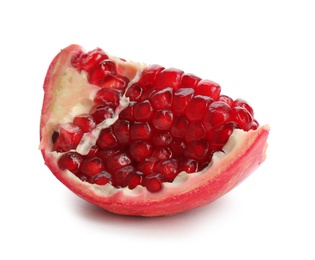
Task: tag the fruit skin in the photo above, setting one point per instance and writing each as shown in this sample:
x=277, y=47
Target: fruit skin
x=244, y=152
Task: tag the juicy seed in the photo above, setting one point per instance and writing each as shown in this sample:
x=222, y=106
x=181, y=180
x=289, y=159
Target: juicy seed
x=154, y=182
x=174, y=122
x=197, y=107
x=162, y=119
x=85, y=122
x=92, y=166
x=68, y=137
x=70, y=161
x=168, y=78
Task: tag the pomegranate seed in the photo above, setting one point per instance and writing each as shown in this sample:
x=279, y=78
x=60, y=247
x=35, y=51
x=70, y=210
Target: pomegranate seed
x=85, y=122
x=143, y=111
x=162, y=139
x=92, y=166
x=208, y=88
x=117, y=161
x=226, y=99
x=147, y=94
x=154, y=182
x=177, y=147
x=148, y=76
x=168, y=168
x=170, y=77
x=148, y=165
x=101, y=113
x=68, y=137
x=106, y=153
x=107, y=139
x=70, y=161
x=114, y=81
x=103, y=71
x=197, y=107
x=220, y=136
x=197, y=150
x=134, y=179
x=120, y=177
x=188, y=165
x=195, y=131
x=127, y=113
x=162, y=99
x=140, y=131
x=101, y=178
x=88, y=61
x=140, y=150
x=121, y=129
x=162, y=119
x=181, y=98
x=108, y=97
x=162, y=153
x=254, y=125
x=242, y=118
x=179, y=127
x=217, y=114
x=189, y=81
x=242, y=103
x=134, y=92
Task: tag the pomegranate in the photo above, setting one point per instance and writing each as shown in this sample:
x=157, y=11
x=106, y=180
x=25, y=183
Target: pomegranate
x=144, y=140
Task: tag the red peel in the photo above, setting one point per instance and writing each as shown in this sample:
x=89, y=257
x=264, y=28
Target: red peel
x=67, y=95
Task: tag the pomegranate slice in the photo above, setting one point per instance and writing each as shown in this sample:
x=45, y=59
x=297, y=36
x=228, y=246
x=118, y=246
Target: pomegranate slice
x=144, y=140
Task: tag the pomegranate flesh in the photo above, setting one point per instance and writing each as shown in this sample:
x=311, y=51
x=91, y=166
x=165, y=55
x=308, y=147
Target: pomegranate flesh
x=144, y=140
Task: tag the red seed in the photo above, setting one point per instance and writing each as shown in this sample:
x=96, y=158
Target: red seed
x=134, y=179
x=148, y=165
x=127, y=113
x=107, y=139
x=242, y=103
x=177, y=147
x=168, y=168
x=134, y=92
x=220, y=135
x=197, y=107
x=226, y=99
x=101, y=113
x=143, y=111
x=89, y=60
x=140, y=131
x=68, y=137
x=108, y=97
x=70, y=161
x=188, y=165
x=179, y=127
x=162, y=138
x=118, y=161
x=121, y=129
x=101, y=178
x=189, y=81
x=242, y=118
x=181, y=98
x=92, y=166
x=217, y=114
x=148, y=76
x=120, y=177
x=140, y=150
x=102, y=72
x=197, y=150
x=208, y=88
x=195, y=131
x=85, y=122
x=154, y=182
x=162, y=99
x=162, y=119
x=162, y=153
x=170, y=77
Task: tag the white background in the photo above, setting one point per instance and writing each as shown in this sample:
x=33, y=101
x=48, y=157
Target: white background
x=262, y=51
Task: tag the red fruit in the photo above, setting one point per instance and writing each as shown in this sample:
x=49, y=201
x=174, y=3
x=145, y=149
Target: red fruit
x=140, y=140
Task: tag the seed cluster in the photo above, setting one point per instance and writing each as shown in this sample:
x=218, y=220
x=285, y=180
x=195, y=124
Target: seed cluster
x=173, y=123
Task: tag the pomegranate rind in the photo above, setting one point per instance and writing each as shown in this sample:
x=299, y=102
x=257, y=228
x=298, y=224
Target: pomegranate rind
x=243, y=153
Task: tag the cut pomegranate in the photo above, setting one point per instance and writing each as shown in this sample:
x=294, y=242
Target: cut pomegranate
x=144, y=140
